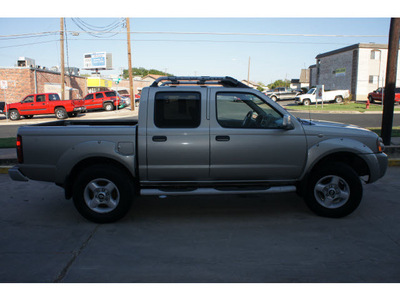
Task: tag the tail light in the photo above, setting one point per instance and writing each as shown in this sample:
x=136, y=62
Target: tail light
x=20, y=154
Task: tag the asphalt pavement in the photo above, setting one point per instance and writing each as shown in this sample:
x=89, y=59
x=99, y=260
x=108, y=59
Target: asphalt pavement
x=225, y=239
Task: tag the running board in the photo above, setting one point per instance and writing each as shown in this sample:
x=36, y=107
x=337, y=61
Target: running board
x=213, y=191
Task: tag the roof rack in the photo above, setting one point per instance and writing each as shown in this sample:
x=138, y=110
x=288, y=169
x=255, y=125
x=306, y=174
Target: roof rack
x=199, y=80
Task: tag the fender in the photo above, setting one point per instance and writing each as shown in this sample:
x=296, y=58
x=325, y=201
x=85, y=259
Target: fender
x=123, y=152
x=336, y=145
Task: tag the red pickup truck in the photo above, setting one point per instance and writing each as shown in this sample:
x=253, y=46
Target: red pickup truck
x=106, y=100
x=377, y=95
x=43, y=104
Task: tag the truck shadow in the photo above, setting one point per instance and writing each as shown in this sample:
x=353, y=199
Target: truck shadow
x=226, y=207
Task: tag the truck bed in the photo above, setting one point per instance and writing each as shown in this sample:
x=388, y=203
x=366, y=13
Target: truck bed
x=112, y=122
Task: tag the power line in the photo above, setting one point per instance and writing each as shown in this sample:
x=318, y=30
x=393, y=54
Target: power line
x=97, y=32
x=20, y=45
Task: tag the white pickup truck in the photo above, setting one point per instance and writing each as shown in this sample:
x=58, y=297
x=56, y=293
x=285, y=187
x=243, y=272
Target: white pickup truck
x=326, y=96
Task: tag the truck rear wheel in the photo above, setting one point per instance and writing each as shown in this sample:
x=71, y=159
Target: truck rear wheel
x=108, y=106
x=334, y=190
x=102, y=193
x=338, y=99
x=60, y=113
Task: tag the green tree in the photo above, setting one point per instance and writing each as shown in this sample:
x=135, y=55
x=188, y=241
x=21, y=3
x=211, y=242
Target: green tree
x=143, y=72
x=279, y=83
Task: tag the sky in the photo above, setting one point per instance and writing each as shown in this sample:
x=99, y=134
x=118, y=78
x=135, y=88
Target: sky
x=276, y=47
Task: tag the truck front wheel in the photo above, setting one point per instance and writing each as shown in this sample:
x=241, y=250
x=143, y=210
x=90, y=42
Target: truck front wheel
x=103, y=193
x=334, y=190
x=14, y=115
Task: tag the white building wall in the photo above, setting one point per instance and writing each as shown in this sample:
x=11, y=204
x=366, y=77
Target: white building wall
x=336, y=71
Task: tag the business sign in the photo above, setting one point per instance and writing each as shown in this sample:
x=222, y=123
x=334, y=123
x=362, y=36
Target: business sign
x=3, y=84
x=97, y=60
x=340, y=72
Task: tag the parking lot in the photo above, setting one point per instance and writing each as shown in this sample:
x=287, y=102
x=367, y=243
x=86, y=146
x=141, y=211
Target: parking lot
x=238, y=239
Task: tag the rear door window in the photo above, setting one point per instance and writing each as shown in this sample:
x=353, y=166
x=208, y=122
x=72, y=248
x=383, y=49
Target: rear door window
x=177, y=110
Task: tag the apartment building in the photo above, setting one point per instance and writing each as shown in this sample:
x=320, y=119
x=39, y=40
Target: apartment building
x=360, y=68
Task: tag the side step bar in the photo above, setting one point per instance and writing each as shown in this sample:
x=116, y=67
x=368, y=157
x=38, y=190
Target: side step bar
x=213, y=191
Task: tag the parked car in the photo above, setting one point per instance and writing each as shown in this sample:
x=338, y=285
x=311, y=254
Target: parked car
x=201, y=140
x=107, y=100
x=43, y=104
x=282, y=93
x=326, y=96
x=378, y=95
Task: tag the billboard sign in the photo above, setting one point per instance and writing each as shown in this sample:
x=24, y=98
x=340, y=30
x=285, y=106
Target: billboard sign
x=97, y=60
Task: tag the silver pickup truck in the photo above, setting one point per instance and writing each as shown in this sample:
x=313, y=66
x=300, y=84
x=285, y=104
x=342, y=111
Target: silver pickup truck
x=201, y=136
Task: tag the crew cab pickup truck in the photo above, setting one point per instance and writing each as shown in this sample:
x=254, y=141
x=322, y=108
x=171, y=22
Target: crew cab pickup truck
x=107, y=100
x=43, y=104
x=325, y=96
x=377, y=95
x=282, y=93
x=201, y=136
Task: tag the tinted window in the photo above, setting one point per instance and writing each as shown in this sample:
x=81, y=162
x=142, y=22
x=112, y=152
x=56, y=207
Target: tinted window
x=40, y=98
x=397, y=90
x=177, y=110
x=54, y=97
x=242, y=110
x=110, y=94
x=99, y=95
x=28, y=99
x=88, y=97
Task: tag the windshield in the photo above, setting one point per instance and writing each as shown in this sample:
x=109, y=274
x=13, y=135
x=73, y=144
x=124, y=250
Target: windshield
x=311, y=91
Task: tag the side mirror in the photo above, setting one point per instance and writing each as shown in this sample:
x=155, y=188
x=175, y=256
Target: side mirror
x=287, y=122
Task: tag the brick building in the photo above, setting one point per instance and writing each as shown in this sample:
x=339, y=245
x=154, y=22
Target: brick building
x=22, y=81
x=360, y=68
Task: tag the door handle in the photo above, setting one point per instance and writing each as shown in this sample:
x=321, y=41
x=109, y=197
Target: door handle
x=222, y=138
x=159, y=138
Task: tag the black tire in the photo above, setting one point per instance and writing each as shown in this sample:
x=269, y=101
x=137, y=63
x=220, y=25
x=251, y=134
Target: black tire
x=371, y=100
x=61, y=113
x=103, y=193
x=307, y=102
x=338, y=99
x=108, y=106
x=274, y=98
x=14, y=115
x=334, y=190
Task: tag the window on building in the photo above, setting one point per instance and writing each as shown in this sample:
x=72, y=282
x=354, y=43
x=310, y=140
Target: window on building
x=375, y=54
x=177, y=110
x=373, y=79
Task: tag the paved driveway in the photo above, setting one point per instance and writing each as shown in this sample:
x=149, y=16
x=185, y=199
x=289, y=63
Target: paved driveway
x=199, y=239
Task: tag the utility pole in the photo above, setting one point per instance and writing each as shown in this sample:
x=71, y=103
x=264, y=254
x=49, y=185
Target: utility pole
x=62, y=57
x=391, y=70
x=128, y=30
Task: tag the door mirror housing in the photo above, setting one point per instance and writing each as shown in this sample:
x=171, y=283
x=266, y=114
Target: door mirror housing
x=287, y=122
